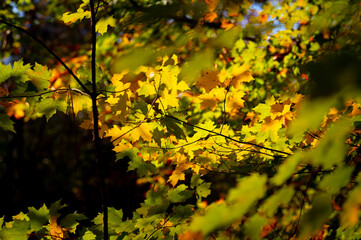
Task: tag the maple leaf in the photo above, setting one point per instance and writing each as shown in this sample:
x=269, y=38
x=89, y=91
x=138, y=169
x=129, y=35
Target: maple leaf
x=78, y=102
x=208, y=101
x=235, y=102
x=5, y=72
x=208, y=80
x=56, y=231
x=240, y=74
x=200, y=133
x=102, y=25
x=6, y=123
x=40, y=76
x=70, y=18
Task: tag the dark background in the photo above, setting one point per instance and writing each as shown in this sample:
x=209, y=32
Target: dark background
x=44, y=162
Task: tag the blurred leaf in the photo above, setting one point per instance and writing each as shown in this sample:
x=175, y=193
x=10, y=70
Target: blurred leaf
x=283, y=196
x=311, y=115
x=6, y=123
x=288, y=167
x=254, y=226
x=199, y=62
x=314, y=219
x=333, y=182
x=332, y=149
x=134, y=59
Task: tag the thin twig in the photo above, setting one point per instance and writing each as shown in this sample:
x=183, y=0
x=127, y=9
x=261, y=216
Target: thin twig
x=227, y=137
x=50, y=51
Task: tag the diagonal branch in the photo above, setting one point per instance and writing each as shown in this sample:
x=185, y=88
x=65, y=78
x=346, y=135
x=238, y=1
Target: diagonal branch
x=50, y=51
x=227, y=137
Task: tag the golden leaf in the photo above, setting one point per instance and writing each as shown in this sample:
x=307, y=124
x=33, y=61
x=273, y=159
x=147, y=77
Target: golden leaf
x=240, y=75
x=57, y=232
x=208, y=80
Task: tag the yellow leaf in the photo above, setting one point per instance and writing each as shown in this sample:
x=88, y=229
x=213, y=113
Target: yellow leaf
x=235, y=102
x=103, y=23
x=122, y=147
x=176, y=176
x=79, y=102
x=240, y=75
x=168, y=99
x=144, y=132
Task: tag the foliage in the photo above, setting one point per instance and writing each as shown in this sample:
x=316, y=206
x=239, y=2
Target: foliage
x=265, y=94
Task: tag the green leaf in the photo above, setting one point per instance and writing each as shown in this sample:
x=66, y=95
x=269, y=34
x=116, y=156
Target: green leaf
x=311, y=115
x=333, y=182
x=40, y=76
x=38, y=217
x=263, y=109
x=49, y=106
x=115, y=217
x=254, y=226
x=217, y=216
x=247, y=190
x=6, y=123
x=200, y=133
x=283, y=196
x=18, y=231
x=288, y=167
x=89, y=235
x=5, y=72
x=19, y=70
x=55, y=208
x=179, y=194
x=103, y=23
x=174, y=127
x=332, y=149
x=314, y=46
x=71, y=221
x=203, y=190
x=316, y=216
x=194, y=67
x=134, y=59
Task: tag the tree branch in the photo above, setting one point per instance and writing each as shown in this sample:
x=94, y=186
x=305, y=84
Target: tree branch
x=50, y=51
x=98, y=156
x=227, y=137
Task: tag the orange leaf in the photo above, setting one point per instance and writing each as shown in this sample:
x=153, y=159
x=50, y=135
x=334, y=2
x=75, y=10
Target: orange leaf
x=57, y=232
x=226, y=25
x=208, y=80
x=210, y=17
x=211, y=4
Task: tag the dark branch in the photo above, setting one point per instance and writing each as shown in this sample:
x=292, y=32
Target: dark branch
x=50, y=51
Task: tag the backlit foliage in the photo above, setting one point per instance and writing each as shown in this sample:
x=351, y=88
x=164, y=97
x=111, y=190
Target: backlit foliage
x=261, y=95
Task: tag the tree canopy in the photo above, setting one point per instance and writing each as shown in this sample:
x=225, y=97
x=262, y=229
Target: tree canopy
x=242, y=117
